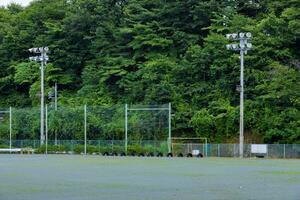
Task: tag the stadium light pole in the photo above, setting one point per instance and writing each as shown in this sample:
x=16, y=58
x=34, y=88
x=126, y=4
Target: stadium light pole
x=42, y=58
x=243, y=46
x=53, y=94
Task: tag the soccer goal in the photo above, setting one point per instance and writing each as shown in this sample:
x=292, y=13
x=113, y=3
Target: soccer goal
x=184, y=146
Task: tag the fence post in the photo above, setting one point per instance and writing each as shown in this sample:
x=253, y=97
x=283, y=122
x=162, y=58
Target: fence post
x=283, y=150
x=85, y=126
x=218, y=150
x=98, y=144
x=10, y=128
x=72, y=146
x=233, y=150
x=169, y=131
x=126, y=127
x=46, y=128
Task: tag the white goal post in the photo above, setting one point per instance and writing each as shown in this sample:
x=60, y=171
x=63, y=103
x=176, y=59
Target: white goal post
x=187, y=142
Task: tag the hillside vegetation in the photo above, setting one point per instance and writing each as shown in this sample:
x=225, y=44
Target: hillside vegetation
x=108, y=52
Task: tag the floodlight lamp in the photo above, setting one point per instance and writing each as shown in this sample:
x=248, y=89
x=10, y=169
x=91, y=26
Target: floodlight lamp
x=46, y=49
x=234, y=35
x=234, y=46
x=35, y=50
x=228, y=36
x=248, y=35
x=249, y=45
x=242, y=35
x=242, y=45
x=228, y=46
x=30, y=50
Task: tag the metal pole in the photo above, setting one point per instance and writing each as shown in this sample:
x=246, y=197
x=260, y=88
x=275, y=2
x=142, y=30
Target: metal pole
x=206, y=147
x=42, y=101
x=55, y=96
x=55, y=105
x=242, y=101
x=126, y=127
x=283, y=150
x=10, y=128
x=46, y=128
x=169, y=138
x=85, y=129
x=43, y=59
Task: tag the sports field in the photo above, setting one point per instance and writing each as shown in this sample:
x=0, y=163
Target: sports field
x=70, y=177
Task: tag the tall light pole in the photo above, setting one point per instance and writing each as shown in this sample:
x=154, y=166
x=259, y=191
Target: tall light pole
x=53, y=94
x=42, y=58
x=243, y=46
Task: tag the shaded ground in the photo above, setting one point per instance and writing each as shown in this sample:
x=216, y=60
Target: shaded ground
x=71, y=177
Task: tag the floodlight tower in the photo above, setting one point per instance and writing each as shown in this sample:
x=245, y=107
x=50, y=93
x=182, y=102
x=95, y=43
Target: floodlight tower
x=53, y=94
x=42, y=58
x=243, y=46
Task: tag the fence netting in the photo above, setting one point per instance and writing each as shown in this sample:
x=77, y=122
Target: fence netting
x=147, y=130
x=148, y=146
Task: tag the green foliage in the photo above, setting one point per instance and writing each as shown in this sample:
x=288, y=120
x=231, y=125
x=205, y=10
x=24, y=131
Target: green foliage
x=50, y=149
x=154, y=52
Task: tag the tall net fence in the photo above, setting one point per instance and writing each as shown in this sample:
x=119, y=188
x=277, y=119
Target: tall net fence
x=105, y=123
x=147, y=123
x=148, y=129
x=103, y=126
x=4, y=122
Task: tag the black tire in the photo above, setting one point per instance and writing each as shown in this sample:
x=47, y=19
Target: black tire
x=105, y=154
x=122, y=154
x=132, y=154
x=159, y=154
x=114, y=154
x=189, y=155
x=180, y=155
x=151, y=154
x=200, y=155
x=169, y=155
x=141, y=154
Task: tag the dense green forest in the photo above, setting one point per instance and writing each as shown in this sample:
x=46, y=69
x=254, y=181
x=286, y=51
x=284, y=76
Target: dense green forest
x=112, y=52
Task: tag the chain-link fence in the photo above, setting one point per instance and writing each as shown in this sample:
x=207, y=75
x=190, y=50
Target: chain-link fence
x=153, y=147
x=117, y=128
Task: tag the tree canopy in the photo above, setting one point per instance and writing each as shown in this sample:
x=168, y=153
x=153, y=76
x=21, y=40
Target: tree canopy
x=107, y=52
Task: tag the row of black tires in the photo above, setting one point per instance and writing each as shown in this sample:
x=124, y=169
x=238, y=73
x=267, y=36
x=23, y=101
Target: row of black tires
x=151, y=154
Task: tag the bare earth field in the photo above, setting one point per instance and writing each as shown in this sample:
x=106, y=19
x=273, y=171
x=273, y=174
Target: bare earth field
x=75, y=177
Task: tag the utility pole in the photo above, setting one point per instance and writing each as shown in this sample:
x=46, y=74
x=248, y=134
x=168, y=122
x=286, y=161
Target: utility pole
x=243, y=46
x=42, y=58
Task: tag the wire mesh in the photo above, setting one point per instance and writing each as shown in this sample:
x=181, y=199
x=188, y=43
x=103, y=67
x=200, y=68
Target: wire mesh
x=148, y=122
x=153, y=146
x=4, y=123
